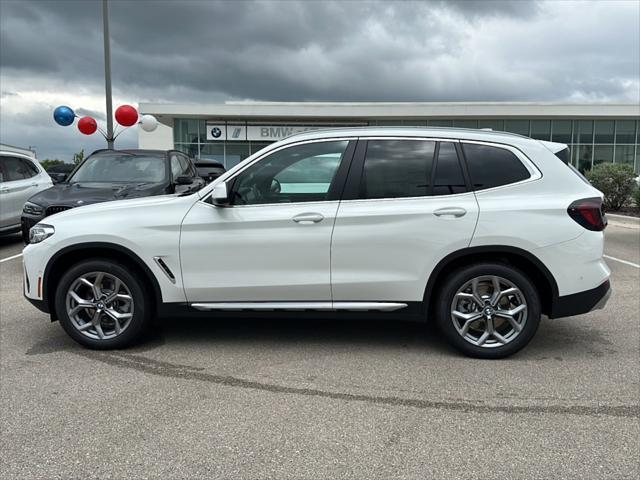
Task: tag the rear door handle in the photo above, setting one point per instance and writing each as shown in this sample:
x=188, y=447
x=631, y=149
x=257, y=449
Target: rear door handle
x=450, y=211
x=34, y=184
x=308, y=218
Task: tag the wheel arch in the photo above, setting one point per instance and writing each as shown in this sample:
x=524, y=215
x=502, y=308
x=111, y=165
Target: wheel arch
x=539, y=274
x=69, y=256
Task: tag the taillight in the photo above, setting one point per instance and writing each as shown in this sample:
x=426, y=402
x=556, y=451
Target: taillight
x=588, y=213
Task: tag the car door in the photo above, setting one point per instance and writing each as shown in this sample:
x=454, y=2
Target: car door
x=16, y=187
x=407, y=204
x=272, y=242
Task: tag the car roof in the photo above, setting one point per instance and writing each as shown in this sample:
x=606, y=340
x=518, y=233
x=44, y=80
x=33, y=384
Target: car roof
x=205, y=162
x=429, y=132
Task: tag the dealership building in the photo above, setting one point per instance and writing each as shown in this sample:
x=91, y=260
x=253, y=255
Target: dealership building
x=230, y=132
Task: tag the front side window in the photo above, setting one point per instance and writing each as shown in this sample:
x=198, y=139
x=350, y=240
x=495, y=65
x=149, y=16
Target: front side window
x=397, y=168
x=301, y=173
x=493, y=166
x=121, y=168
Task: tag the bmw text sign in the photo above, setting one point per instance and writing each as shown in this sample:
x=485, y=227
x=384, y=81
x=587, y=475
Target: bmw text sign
x=259, y=133
x=277, y=132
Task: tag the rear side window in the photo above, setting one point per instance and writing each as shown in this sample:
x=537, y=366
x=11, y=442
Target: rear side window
x=16, y=169
x=397, y=168
x=564, y=155
x=448, y=178
x=493, y=166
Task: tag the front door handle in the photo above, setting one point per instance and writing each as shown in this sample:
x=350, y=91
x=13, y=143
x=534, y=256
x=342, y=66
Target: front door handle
x=34, y=184
x=450, y=211
x=308, y=218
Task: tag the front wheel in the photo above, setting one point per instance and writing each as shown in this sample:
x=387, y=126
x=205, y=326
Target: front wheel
x=488, y=310
x=101, y=305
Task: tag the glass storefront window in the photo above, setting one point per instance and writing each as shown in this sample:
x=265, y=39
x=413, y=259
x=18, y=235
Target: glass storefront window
x=625, y=131
x=561, y=131
x=624, y=153
x=585, y=155
x=257, y=146
x=521, y=127
x=185, y=130
x=585, y=131
x=465, y=123
x=497, y=125
x=602, y=153
x=440, y=123
x=234, y=153
x=190, y=149
x=212, y=151
x=541, y=129
x=604, y=131
x=389, y=123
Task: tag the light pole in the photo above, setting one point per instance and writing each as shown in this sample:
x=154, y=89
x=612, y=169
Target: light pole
x=107, y=73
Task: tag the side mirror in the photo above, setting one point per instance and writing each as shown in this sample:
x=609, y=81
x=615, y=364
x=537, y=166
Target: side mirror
x=219, y=195
x=184, y=180
x=58, y=177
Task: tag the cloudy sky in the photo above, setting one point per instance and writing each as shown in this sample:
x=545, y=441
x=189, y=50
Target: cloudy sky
x=208, y=52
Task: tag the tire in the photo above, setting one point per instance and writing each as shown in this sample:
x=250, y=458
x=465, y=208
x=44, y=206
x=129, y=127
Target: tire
x=478, y=324
x=92, y=322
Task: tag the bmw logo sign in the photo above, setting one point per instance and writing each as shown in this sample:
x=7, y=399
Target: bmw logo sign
x=216, y=132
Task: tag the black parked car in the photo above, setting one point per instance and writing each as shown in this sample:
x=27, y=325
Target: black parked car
x=107, y=175
x=60, y=171
x=209, y=169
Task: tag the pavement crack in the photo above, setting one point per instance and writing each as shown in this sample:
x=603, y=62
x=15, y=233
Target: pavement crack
x=170, y=370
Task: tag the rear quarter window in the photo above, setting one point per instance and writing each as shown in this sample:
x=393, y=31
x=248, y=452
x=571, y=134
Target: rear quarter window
x=491, y=166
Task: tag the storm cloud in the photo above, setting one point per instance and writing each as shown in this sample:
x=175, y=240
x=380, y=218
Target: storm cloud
x=207, y=52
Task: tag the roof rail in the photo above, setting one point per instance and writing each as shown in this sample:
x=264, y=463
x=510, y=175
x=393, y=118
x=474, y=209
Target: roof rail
x=407, y=127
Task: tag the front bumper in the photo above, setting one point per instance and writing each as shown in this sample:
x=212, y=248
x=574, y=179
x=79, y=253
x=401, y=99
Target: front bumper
x=582, y=302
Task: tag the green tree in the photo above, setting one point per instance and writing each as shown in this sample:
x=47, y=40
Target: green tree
x=616, y=181
x=78, y=157
x=48, y=163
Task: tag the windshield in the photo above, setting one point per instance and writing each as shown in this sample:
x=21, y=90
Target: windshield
x=121, y=168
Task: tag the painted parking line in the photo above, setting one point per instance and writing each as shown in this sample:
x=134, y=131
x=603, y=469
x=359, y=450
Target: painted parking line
x=626, y=262
x=10, y=258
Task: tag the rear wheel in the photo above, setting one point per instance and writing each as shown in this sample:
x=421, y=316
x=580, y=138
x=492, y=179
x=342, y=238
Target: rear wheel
x=101, y=305
x=488, y=310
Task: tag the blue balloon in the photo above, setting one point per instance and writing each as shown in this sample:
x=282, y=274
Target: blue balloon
x=64, y=116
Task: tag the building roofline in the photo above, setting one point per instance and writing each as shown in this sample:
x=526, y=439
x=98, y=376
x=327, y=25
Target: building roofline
x=390, y=110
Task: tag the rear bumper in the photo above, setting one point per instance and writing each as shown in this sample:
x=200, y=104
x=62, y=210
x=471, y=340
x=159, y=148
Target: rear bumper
x=582, y=302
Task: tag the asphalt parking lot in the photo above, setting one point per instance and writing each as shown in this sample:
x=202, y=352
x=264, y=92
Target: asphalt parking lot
x=323, y=399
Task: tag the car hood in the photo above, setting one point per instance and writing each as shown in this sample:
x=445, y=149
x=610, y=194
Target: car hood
x=78, y=194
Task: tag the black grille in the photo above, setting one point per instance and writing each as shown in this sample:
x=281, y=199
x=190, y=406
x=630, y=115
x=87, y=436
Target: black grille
x=56, y=209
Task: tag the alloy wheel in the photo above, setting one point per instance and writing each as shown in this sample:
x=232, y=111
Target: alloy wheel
x=489, y=311
x=99, y=305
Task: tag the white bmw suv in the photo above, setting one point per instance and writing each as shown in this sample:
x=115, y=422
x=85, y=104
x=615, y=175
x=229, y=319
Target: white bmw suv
x=483, y=232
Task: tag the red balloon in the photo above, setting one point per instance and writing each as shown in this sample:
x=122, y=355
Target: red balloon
x=87, y=125
x=126, y=115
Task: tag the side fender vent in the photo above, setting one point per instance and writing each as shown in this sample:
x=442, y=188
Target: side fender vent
x=165, y=268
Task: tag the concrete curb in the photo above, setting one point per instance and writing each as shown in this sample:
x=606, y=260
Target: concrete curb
x=623, y=221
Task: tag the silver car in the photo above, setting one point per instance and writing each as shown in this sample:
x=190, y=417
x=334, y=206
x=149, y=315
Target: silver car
x=21, y=177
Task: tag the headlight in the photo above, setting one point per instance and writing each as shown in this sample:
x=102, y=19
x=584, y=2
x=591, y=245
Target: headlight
x=33, y=209
x=40, y=232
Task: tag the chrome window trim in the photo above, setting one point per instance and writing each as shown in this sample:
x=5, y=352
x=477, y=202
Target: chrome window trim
x=531, y=167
